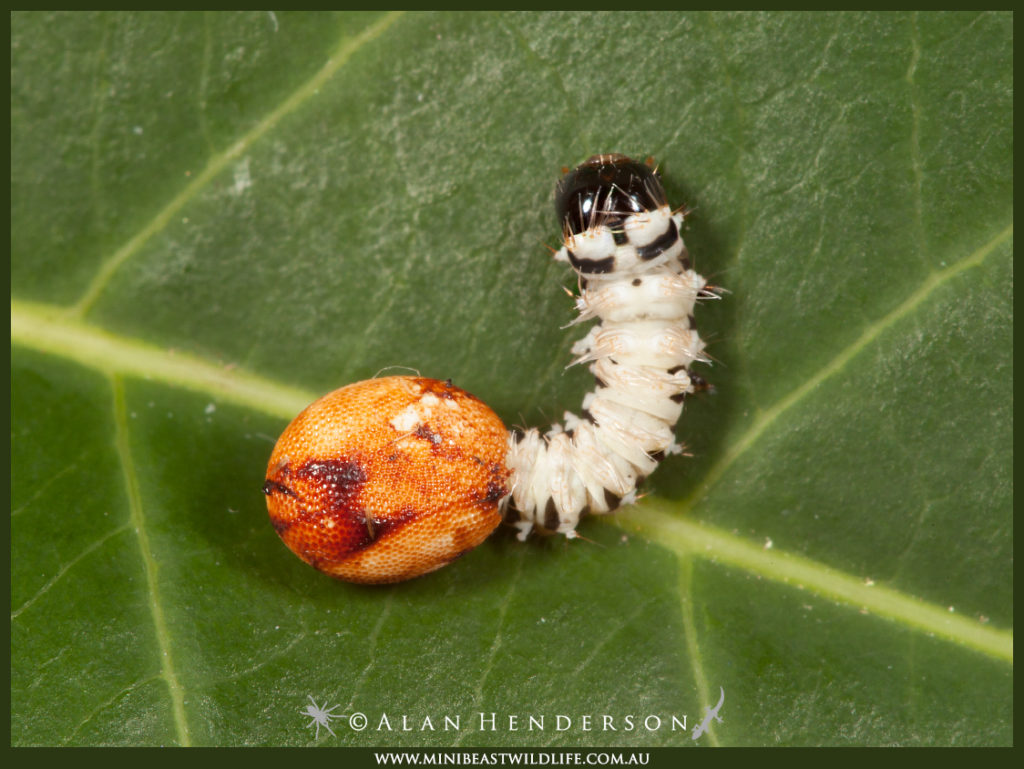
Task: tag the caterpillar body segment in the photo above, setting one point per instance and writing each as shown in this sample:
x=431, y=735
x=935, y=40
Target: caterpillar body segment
x=623, y=240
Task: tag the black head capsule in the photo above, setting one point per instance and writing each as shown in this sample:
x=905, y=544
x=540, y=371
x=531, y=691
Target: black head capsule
x=605, y=190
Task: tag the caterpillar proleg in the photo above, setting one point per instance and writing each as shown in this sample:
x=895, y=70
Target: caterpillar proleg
x=389, y=479
x=622, y=238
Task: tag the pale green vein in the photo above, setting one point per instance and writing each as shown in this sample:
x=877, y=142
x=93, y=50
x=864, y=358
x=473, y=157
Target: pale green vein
x=45, y=329
x=915, y=133
x=271, y=657
x=204, y=84
x=106, y=704
x=605, y=639
x=768, y=417
x=607, y=635
x=221, y=160
x=371, y=651
x=554, y=71
x=100, y=90
x=496, y=642
x=51, y=479
x=690, y=631
x=66, y=568
x=743, y=189
x=660, y=522
x=150, y=565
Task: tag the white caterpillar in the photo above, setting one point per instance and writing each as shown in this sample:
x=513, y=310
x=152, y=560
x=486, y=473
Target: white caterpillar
x=622, y=239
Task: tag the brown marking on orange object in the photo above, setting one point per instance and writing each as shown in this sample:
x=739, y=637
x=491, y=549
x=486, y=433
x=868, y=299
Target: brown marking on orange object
x=388, y=479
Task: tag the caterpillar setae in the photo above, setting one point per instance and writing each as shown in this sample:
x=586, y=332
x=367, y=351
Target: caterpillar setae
x=388, y=479
x=622, y=239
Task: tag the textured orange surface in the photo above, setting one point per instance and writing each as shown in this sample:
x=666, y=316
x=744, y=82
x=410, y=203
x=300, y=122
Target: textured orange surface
x=388, y=479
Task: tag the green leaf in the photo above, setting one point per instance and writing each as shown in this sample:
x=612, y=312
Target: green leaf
x=217, y=217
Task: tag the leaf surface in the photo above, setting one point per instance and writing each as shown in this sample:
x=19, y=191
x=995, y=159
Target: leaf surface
x=218, y=217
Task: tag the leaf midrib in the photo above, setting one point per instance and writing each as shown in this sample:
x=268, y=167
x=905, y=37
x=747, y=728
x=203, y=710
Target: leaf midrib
x=49, y=329
x=60, y=331
x=656, y=518
x=658, y=521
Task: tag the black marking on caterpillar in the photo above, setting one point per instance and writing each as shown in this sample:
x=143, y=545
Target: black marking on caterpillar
x=622, y=239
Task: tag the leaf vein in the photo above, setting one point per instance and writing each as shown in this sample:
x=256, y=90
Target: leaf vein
x=743, y=190
x=138, y=522
x=660, y=523
x=690, y=630
x=41, y=327
x=371, y=651
x=496, y=642
x=66, y=568
x=915, y=133
x=220, y=161
x=768, y=417
x=607, y=635
x=106, y=704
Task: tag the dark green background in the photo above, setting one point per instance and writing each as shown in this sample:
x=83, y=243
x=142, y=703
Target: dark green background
x=310, y=198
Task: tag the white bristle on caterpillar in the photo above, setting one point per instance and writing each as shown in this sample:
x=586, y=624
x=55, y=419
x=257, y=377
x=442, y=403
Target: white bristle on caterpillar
x=622, y=239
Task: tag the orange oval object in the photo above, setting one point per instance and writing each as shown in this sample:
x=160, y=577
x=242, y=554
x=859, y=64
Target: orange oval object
x=388, y=479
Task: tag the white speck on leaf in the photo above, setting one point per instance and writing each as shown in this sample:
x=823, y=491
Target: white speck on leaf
x=243, y=180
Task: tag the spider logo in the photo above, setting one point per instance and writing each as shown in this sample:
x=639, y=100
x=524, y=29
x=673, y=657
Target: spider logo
x=319, y=716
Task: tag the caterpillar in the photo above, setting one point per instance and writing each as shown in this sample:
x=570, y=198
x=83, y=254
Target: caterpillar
x=623, y=241
x=388, y=479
